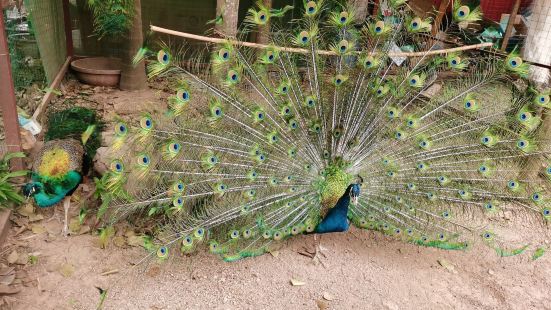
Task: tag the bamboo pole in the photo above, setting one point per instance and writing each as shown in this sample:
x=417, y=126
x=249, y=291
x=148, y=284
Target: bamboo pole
x=305, y=51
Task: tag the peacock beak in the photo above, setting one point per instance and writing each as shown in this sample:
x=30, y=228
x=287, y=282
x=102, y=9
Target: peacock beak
x=355, y=200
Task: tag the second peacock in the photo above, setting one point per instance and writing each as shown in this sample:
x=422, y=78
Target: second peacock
x=259, y=145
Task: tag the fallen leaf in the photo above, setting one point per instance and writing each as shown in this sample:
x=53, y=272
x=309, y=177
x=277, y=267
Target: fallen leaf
x=13, y=257
x=84, y=229
x=23, y=259
x=6, y=290
x=6, y=270
x=135, y=241
x=35, y=217
x=328, y=296
x=38, y=229
x=322, y=305
x=66, y=270
x=7, y=280
x=274, y=253
x=296, y=282
x=446, y=264
x=74, y=225
x=26, y=210
x=119, y=241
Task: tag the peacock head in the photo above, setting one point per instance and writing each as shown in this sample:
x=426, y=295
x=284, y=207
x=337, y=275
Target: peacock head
x=30, y=189
x=355, y=189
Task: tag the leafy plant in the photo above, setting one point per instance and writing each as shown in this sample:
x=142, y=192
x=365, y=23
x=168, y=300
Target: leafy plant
x=8, y=191
x=112, y=17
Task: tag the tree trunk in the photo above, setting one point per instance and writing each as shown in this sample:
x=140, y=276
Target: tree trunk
x=263, y=36
x=361, y=10
x=229, y=9
x=133, y=77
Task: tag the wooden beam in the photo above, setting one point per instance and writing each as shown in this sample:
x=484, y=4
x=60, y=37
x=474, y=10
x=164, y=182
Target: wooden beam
x=510, y=23
x=8, y=103
x=49, y=94
x=68, y=28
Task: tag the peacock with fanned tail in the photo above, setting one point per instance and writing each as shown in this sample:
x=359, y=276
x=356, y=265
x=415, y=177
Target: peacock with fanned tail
x=332, y=125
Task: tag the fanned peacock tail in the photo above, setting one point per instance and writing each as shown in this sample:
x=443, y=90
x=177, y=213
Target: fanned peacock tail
x=257, y=144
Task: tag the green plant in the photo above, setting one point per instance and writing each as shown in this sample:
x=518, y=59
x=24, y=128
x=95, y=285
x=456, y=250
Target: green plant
x=112, y=17
x=9, y=193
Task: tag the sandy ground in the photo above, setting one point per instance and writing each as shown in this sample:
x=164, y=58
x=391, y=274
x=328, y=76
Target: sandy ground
x=362, y=270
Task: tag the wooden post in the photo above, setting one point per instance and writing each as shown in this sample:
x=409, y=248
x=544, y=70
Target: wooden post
x=509, y=29
x=8, y=103
x=68, y=29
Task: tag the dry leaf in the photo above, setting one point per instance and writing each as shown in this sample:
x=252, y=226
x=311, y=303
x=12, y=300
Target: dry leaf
x=446, y=264
x=274, y=253
x=4, y=290
x=66, y=270
x=328, y=296
x=296, y=282
x=23, y=259
x=322, y=305
x=119, y=241
x=74, y=225
x=35, y=217
x=26, y=210
x=38, y=229
x=135, y=241
x=7, y=280
x=6, y=271
x=13, y=257
x=84, y=229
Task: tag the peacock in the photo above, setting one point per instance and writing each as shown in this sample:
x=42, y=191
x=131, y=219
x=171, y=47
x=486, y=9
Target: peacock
x=71, y=141
x=335, y=122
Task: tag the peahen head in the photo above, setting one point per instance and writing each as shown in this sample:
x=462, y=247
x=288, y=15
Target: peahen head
x=31, y=188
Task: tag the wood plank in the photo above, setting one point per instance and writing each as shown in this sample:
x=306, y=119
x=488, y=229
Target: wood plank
x=509, y=29
x=8, y=103
x=5, y=225
x=49, y=94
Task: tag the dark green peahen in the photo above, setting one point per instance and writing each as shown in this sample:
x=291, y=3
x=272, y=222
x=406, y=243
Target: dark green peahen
x=72, y=139
x=260, y=145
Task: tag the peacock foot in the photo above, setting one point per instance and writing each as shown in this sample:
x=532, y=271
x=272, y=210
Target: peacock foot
x=317, y=255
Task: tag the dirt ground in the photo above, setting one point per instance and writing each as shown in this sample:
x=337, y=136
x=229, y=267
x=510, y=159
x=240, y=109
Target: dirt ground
x=361, y=270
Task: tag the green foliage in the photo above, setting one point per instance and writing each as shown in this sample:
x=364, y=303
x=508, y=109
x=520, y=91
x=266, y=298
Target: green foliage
x=112, y=17
x=72, y=123
x=8, y=191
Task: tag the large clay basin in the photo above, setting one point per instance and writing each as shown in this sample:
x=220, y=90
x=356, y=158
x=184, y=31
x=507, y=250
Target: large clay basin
x=98, y=71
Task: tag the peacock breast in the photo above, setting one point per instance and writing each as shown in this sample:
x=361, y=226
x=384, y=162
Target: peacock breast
x=58, y=157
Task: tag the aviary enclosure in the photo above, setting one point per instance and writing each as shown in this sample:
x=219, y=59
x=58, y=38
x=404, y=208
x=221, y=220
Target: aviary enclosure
x=227, y=154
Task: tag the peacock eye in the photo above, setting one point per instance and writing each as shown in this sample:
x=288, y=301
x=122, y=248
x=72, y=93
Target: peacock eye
x=521, y=143
x=162, y=252
x=262, y=17
x=163, y=57
x=489, y=206
x=546, y=212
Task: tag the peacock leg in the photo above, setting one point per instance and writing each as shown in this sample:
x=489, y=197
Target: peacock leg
x=318, y=251
x=66, y=206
